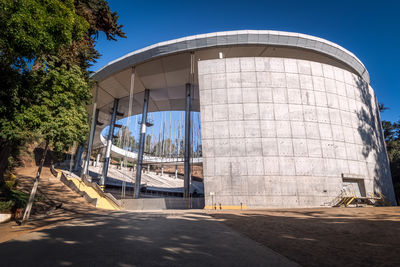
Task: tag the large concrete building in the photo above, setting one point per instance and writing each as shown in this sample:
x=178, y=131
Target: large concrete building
x=287, y=119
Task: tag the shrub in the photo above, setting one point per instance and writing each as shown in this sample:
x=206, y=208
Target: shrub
x=10, y=197
x=6, y=206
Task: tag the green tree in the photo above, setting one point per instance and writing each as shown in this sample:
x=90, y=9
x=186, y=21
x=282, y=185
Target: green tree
x=148, y=145
x=125, y=139
x=58, y=114
x=391, y=132
x=46, y=47
x=29, y=31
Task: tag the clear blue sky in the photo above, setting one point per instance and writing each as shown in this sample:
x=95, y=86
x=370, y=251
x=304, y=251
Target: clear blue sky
x=370, y=29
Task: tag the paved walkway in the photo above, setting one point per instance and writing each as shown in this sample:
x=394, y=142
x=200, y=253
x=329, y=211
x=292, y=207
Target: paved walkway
x=165, y=238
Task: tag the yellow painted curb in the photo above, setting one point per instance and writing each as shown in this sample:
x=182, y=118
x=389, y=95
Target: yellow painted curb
x=102, y=202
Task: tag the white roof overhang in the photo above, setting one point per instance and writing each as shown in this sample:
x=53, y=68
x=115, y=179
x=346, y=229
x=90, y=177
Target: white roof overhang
x=164, y=68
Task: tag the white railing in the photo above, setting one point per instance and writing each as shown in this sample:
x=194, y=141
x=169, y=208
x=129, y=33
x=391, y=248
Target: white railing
x=146, y=158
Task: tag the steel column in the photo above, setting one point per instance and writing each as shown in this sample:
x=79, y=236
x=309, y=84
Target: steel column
x=186, y=183
x=109, y=144
x=78, y=160
x=97, y=159
x=90, y=143
x=95, y=116
x=142, y=139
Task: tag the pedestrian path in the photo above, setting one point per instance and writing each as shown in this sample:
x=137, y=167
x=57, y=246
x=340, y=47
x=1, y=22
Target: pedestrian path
x=139, y=239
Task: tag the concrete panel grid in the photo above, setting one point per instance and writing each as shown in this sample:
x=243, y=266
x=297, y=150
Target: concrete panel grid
x=285, y=130
x=312, y=130
x=307, y=98
x=298, y=129
x=295, y=112
x=268, y=128
x=294, y=96
x=322, y=115
x=292, y=80
x=289, y=64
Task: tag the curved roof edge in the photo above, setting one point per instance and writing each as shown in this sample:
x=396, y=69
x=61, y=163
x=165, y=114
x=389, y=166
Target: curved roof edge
x=242, y=37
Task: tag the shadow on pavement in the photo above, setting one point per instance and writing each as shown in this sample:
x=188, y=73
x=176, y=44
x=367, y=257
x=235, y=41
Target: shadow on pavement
x=138, y=239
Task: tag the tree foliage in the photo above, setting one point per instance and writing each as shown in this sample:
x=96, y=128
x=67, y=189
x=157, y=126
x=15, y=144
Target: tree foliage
x=58, y=113
x=46, y=47
x=392, y=138
x=34, y=28
x=125, y=139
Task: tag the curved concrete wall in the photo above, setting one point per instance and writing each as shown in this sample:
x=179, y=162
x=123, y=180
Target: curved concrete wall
x=279, y=132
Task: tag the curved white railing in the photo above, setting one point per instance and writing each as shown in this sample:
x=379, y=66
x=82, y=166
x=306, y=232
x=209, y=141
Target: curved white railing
x=146, y=158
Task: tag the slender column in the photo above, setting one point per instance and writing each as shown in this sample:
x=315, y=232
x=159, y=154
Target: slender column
x=162, y=170
x=148, y=168
x=97, y=160
x=91, y=139
x=95, y=116
x=109, y=144
x=141, y=144
x=71, y=161
x=186, y=183
x=78, y=159
x=176, y=171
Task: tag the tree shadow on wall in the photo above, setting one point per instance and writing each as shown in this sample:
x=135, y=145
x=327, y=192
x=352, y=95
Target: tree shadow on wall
x=370, y=130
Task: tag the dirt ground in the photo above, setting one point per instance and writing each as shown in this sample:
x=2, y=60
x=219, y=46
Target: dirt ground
x=51, y=192
x=310, y=237
x=324, y=236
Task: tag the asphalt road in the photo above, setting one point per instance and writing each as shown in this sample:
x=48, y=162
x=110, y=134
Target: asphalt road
x=172, y=238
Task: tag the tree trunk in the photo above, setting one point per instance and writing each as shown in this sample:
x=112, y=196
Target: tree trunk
x=27, y=212
x=5, y=152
